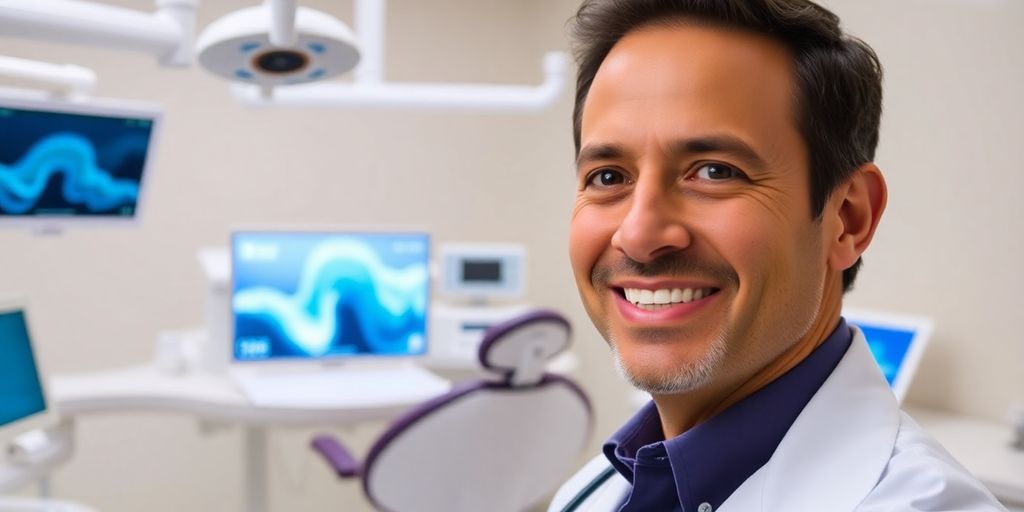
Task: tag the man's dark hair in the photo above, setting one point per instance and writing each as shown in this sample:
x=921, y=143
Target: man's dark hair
x=838, y=78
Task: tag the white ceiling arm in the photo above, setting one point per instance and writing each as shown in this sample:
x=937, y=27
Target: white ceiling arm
x=369, y=26
x=61, y=78
x=167, y=33
x=476, y=97
x=282, y=28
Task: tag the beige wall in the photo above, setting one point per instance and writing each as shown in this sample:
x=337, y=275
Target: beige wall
x=949, y=246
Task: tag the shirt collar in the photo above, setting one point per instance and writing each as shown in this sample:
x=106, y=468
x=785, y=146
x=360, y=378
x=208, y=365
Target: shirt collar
x=711, y=460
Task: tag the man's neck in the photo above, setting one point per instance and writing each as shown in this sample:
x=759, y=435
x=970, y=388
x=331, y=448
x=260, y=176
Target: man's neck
x=681, y=412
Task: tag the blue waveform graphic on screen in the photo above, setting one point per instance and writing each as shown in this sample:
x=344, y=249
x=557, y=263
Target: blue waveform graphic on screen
x=85, y=183
x=64, y=163
x=336, y=295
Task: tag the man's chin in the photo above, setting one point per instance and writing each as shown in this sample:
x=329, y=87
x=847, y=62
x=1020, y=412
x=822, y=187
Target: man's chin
x=655, y=376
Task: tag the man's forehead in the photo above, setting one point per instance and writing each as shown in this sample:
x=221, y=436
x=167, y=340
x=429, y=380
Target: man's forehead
x=709, y=74
x=718, y=52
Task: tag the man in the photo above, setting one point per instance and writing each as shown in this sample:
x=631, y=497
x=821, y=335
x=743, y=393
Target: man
x=726, y=191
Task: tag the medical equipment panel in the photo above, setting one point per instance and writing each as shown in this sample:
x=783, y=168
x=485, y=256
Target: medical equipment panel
x=482, y=271
x=308, y=295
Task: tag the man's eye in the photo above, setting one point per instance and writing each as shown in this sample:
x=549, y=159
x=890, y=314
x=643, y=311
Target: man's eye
x=717, y=172
x=607, y=178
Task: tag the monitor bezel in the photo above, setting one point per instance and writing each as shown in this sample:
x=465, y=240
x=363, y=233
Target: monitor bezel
x=921, y=326
x=286, y=362
x=46, y=418
x=43, y=102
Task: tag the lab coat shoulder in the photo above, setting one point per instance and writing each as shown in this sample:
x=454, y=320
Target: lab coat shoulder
x=939, y=482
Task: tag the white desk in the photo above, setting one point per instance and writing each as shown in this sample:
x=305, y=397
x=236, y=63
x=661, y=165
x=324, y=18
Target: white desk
x=211, y=398
x=983, y=447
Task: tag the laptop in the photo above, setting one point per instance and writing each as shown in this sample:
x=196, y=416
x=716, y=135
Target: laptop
x=896, y=341
x=331, y=318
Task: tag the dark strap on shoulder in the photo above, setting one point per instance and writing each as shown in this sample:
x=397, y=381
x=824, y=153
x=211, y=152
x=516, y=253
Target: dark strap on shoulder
x=592, y=486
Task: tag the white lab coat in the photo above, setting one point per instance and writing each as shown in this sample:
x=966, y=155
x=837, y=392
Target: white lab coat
x=851, y=448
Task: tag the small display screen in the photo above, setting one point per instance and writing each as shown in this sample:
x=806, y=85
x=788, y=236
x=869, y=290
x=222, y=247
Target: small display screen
x=481, y=271
x=314, y=295
x=21, y=393
x=67, y=164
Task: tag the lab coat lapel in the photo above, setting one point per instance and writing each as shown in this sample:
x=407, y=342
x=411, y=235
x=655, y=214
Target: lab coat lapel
x=835, y=452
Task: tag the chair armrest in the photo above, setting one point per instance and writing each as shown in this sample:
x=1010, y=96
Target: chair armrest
x=336, y=456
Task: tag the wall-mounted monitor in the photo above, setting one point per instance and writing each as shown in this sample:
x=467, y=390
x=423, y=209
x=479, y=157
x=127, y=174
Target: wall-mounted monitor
x=315, y=294
x=66, y=163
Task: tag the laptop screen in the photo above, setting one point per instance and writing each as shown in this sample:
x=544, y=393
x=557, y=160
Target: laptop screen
x=889, y=347
x=314, y=295
x=896, y=342
x=21, y=391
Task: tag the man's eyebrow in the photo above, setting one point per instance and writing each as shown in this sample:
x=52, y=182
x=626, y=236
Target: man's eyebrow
x=718, y=143
x=600, y=152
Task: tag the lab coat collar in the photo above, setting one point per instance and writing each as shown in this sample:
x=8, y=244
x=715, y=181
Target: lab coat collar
x=851, y=423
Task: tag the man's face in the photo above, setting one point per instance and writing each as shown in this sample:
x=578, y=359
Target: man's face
x=692, y=240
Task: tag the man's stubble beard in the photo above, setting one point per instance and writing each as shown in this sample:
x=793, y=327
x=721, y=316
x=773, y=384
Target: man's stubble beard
x=692, y=375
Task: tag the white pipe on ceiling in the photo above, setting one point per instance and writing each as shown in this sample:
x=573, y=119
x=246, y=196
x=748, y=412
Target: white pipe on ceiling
x=166, y=33
x=61, y=78
x=477, y=97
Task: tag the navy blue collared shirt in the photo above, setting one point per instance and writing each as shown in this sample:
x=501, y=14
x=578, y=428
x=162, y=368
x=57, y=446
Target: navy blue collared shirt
x=699, y=469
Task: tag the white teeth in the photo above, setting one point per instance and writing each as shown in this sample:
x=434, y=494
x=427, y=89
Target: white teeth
x=653, y=300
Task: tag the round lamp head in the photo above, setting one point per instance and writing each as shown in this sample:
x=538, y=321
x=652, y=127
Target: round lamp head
x=237, y=47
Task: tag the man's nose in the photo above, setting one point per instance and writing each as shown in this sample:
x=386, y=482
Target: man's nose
x=653, y=225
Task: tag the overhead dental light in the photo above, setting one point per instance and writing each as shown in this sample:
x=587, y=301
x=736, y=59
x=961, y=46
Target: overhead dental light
x=277, y=43
x=369, y=89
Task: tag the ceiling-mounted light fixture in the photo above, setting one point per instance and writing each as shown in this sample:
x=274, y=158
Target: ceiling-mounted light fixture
x=277, y=43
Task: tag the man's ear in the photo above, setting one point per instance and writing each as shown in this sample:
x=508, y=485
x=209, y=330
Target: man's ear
x=857, y=205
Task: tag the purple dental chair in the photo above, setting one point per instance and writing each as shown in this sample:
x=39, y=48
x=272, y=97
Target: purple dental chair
x=486, y=445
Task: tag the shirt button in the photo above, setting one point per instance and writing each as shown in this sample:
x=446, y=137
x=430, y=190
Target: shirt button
x=704, y=507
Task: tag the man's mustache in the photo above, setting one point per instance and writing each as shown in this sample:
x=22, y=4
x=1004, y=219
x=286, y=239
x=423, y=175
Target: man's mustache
x=675, y=264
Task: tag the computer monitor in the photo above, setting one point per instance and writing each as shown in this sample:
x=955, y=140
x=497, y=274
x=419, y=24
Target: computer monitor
x=312, y=295
x=23, y=399
x=897, y=342
x=66, y=163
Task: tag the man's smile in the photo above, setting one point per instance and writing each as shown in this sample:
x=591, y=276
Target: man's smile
x=647, y=301
x=661, y=298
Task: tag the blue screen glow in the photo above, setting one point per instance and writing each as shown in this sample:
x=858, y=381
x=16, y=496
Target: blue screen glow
x=311, y=295
x=21, y=394
x=63, y=164
x=889, y=347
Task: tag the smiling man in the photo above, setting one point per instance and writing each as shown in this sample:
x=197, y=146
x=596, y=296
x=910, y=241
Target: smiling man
x=725, y=194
